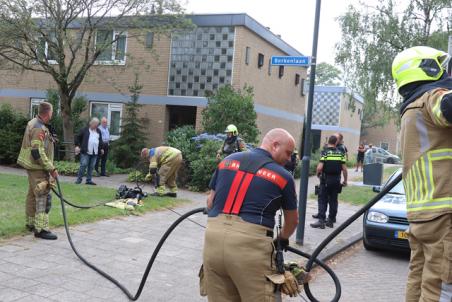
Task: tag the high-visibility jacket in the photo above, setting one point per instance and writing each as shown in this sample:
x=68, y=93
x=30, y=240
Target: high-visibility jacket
x=39, y=141
x=162, y=156
x=426, y=141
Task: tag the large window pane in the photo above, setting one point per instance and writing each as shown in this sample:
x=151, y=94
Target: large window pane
x=104, y=41
x=99, y=110
x=114, y=122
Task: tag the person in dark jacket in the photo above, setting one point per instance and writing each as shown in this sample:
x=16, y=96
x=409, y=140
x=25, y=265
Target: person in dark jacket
x=89, y=144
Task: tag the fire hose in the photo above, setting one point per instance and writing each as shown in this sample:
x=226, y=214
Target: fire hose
x=312, y=258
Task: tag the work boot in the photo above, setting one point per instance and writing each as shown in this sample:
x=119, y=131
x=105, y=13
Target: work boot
x=171, y=194
x=315, y=216
x=318, y=225
x=329, y=223
x=157, y=194
x=91, y=183
x=30, y=227
x=46, y=235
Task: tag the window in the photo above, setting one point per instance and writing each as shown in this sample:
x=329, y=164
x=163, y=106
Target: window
x=113, y=44
x=384, y=146
x=247, y=55
x=281, y=72
x=45, y=50
x=297, y=79
x=113, y=112
x=270, y=67
x=260, y=60
x=302, y=87
x=149, y=39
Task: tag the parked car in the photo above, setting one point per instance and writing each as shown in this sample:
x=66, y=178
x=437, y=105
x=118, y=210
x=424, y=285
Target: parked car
x=379, y=155
x=385, y=224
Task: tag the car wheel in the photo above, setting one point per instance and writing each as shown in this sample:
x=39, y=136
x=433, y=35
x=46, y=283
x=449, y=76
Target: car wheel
x=390, y=160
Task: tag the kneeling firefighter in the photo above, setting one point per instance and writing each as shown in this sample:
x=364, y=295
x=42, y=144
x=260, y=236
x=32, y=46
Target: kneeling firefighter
x=232, y=144
x=247, y=190
x=163, y=167
x=36, y=156
x=426, y=141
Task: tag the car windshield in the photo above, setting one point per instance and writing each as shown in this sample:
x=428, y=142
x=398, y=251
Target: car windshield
x=398, y=189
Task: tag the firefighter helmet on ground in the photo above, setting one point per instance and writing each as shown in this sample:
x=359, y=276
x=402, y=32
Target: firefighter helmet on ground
x=419, y=63
x=232, y=128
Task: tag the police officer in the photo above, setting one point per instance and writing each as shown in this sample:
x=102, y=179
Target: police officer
x=36, y=156
x=233, y=143
x=332, y=163
x=164, y=162
x=247, y=190
x=426, y=140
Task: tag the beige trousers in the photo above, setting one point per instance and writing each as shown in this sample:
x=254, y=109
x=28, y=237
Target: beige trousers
x=430, y=276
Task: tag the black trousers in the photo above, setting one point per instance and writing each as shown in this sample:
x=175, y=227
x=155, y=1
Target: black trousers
x=102, y=158
x=328, y=196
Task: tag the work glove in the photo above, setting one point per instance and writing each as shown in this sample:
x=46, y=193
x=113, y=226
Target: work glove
x=282, y=241
x=290, y=285
x=148, y=177
x=152, y=170
x=287, y=283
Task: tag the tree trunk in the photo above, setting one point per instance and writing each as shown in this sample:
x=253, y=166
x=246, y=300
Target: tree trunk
x=68, y=126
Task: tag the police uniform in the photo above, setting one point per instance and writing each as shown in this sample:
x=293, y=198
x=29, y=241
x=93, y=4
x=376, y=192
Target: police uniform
x=330, y=182
x=167, y=161
x=36, y=156
x=238, y=251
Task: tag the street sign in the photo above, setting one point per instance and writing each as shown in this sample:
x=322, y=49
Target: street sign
x=291, y=61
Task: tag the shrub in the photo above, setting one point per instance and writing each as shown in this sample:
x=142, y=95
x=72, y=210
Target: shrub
x=71, y=168
x=204, y=165
x=181, y=138
x=11, y=133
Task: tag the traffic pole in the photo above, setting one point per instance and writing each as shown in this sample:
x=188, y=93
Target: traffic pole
x=307, y=137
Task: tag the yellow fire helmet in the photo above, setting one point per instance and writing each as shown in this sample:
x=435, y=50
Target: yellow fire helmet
x=419, y=63
x=232, y=128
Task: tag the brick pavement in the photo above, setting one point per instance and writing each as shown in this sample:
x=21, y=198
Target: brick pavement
x=36, y=270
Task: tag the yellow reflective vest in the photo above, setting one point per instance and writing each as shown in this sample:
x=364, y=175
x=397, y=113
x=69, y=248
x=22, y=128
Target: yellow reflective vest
x=163, y=155
x=37, y=137
x=426, y=141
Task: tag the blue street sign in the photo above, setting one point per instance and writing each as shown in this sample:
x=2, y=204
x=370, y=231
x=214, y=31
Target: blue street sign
x=291, y=61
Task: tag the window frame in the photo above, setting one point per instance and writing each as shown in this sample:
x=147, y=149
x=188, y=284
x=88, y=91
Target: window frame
x=247, y=55
x=114, y=46
x=260, y=60
x=297, y=79
x=111, y=105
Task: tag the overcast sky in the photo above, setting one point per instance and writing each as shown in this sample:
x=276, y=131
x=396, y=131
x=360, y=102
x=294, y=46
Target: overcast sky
x=293, y=20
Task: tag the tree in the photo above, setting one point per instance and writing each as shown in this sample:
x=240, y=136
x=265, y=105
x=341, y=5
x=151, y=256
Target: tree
x=126, y=149
x=64, y=38
x=228, y=106
x=372, y=37
x=327, y=75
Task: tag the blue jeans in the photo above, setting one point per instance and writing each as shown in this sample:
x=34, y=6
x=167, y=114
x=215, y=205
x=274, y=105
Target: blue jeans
x=86, y=161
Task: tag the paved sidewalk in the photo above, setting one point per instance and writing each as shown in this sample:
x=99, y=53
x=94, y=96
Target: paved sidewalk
x=37, y=270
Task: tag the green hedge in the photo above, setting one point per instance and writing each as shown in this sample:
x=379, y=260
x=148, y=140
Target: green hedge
x=11, y=133
x=70, y=168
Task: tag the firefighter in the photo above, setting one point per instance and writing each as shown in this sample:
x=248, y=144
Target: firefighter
x=247, y=190
x=233, y=143
x=331, y=164
x=164, y=162
x=426, y=141
x=36, y=156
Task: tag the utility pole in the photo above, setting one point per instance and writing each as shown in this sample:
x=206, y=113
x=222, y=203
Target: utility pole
x=307, y=137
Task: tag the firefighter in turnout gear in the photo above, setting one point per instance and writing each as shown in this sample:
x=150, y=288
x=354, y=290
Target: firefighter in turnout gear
x=426, y=141
x=232, y=144
x=247, y=190
x=36, y=156
x=163, y=167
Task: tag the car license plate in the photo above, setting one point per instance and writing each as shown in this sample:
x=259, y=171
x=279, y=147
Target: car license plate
x=401, y=235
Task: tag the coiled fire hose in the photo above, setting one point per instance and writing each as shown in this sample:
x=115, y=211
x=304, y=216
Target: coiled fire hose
x=312, y=259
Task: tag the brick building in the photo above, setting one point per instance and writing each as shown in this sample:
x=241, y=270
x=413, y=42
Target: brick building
x=386, y=137
x=175, y=73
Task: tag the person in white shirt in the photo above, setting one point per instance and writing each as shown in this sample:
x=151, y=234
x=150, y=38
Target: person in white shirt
x=89, y=144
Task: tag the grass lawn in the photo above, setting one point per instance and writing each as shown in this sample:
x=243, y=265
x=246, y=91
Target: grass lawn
x=354, y=194
x=13, y=191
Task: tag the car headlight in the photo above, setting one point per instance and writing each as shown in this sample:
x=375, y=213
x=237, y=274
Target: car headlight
x=377, y=217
